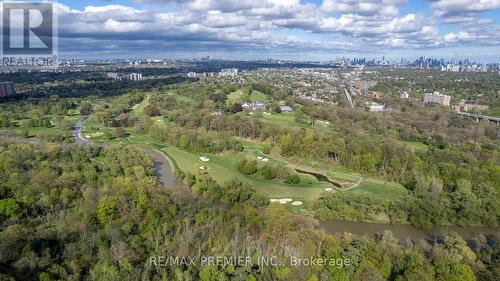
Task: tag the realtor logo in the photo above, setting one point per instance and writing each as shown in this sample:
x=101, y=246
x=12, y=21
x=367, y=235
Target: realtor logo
x=28, y=29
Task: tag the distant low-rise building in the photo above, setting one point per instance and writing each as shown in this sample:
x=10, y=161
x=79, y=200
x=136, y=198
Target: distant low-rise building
x=467, y=107
x=438, y=98
x=135, y=76
x=286, y=108
x=404, y=95
x=6, y=89
x=253, y=106
x=191, y=75
x=363, y=86
x=231, y=72
x=374, y=107
x=115, y=76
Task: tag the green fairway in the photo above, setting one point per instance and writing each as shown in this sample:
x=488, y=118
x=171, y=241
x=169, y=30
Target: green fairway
x=239, y=97
x=223, y=168
x=285, y=119
x=97, y=132
x=138, y=109
x=54, y=129
x=391, y=191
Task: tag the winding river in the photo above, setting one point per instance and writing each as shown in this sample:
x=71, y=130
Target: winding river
x=404, y=231
x=163, y=165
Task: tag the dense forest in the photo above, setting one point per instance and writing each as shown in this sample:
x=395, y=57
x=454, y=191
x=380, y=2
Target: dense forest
x=72, y=213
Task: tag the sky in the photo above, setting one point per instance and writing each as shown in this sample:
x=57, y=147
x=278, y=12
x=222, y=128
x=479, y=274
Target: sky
x=280, y=29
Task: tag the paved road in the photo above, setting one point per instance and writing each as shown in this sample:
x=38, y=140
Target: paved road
x=163, y=165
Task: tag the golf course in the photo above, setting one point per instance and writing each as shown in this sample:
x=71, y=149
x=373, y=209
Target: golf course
x=222, y=167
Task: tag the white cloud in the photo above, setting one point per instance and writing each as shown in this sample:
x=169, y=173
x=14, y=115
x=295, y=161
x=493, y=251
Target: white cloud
x=347, y=25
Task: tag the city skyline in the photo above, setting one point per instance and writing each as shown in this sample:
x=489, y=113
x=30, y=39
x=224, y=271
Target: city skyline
x=293, y=29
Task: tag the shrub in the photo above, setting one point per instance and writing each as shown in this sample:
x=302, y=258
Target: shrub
x=269, y=171
x=266, y=149
x=120, y=132
x=247, y=167
x=292, y=178
x=9, y=207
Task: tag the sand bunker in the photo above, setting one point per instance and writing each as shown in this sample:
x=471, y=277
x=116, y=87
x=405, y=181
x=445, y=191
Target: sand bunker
x=260, y=157
x=281, y=201
x=265, y=159
x=297, y=203
x=328, y=189
x=97, y=134
x=204, y=159
x=203, y=168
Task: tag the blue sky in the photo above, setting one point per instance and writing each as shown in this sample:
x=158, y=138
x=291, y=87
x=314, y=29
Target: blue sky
x=285, y=29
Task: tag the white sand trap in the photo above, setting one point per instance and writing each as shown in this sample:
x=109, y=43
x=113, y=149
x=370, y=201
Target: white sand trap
x=251, y=113
x=204, y=159
x=297, y=203
x=135, y=106
x=267, y=113
x=265, y=159
x=328, y=189
x=96, y=134
x=87, y=136
x=203, y=168
x=281, y=201
x=159, y=120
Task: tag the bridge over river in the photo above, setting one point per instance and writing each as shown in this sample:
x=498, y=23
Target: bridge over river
x=479, y=117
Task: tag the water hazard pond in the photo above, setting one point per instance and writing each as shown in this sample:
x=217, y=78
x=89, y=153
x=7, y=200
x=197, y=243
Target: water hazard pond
x=404, y=231
x=320, y=177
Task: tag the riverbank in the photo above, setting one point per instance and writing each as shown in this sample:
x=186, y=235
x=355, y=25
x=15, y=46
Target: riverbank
x=403, y=231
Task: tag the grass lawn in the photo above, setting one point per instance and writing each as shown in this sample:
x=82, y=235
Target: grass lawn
x=286, y=119
x=391, y=191
x=257, y=96
x=54, y=129
x=238, y=96
x=138, y=109
x=415, y=145
x=223, y=168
